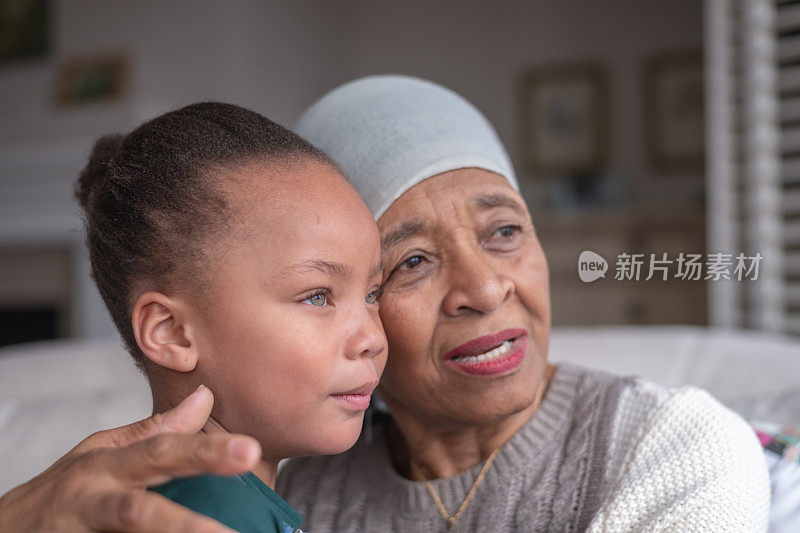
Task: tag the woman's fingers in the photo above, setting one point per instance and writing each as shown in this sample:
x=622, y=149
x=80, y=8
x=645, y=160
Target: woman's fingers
x=159, y=459
x=144, y=512
x=189, y=416
x=105, y=489
x=101, y=484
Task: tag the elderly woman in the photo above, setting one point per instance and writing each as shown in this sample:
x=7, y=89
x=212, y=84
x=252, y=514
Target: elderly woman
x=478, y=431
x=484, y=434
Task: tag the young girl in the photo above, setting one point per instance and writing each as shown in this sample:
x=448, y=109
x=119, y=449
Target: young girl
x=232, y=253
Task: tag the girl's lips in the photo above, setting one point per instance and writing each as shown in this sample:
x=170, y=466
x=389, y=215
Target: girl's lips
x=356, y=402
x=357, y=399
x=506, y=358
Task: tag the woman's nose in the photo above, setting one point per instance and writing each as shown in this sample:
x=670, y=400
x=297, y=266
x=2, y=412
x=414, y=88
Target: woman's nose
x=368, y=339
x=475, y=285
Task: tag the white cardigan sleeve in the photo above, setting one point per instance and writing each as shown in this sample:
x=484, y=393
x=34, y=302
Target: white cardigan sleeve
x=680, y=461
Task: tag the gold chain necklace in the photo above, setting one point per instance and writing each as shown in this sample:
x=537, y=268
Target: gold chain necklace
x=451, y=520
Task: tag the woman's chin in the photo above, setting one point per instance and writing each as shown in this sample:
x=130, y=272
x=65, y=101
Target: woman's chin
x=500, y=399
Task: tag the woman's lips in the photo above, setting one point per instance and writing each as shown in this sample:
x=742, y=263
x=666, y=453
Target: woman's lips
x=489, y=355
x=358, y=398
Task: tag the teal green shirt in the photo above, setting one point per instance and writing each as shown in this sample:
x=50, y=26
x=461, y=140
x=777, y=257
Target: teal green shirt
x=243, y=502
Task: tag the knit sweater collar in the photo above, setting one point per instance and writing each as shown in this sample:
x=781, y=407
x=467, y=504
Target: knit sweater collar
x=534, y=440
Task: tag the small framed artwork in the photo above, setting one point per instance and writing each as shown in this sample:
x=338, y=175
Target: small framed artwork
x=564, y=114
x=674, y=118
x=23, y=29
x=90, y=80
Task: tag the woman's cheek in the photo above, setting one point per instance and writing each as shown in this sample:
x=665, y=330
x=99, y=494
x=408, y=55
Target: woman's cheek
x=398, y=326
x=394, y=325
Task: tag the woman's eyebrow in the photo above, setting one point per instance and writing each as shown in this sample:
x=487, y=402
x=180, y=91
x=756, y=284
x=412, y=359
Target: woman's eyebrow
x=489, y=201
x=405, y=231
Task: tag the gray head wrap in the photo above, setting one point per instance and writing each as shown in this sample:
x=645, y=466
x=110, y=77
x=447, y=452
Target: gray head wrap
x=388, y=133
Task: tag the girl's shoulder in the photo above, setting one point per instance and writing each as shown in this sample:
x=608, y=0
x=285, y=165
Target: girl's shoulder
x=243, y=503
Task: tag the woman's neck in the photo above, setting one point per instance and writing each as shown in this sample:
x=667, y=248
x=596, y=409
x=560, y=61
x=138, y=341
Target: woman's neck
x=419, y=451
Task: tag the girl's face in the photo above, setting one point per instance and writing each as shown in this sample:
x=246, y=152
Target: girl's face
x=290, y=340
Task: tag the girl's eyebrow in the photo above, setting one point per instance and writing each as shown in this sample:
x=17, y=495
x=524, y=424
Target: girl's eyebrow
x=332, y=268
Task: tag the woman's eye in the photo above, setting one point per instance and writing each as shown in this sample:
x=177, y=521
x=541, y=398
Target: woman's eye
x=319, y=299
x=508, y=231
x=409, y=267
x=412, y=262
x=504, y=238
x=372, y=297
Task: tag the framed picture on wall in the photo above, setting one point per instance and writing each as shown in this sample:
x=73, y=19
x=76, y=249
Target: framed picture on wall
x=88, y=80
x=564, y=113
x=674, y=123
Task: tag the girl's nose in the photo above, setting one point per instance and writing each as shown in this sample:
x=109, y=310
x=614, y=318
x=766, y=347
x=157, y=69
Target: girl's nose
x=369, y=340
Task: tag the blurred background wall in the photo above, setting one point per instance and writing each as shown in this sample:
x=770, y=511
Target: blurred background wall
x=276, y=57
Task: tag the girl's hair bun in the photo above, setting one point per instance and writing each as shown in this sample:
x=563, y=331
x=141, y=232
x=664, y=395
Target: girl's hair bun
x=97, y=171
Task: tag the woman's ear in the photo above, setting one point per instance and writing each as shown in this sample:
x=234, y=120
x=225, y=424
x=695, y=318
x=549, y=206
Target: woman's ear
x=159, y=324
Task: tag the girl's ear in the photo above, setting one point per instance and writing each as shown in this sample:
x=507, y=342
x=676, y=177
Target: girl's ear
x=159, y=324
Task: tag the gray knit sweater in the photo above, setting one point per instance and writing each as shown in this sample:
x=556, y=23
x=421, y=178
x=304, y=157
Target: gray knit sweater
x=568, y=469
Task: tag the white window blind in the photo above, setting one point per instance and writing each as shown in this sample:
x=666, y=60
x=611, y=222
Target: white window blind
x=752, y=63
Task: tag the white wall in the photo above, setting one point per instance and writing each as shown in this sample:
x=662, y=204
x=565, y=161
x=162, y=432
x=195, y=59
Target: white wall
x=274, y=56
x=277, y=56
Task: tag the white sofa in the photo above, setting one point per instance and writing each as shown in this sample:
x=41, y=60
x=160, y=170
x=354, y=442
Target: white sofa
x=755, y=373
x=53, y=394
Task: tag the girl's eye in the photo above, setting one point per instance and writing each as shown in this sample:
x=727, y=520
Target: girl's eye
x=318, y=300
x=372, y=297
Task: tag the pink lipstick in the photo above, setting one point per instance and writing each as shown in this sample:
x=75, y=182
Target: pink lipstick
x=491, y=355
